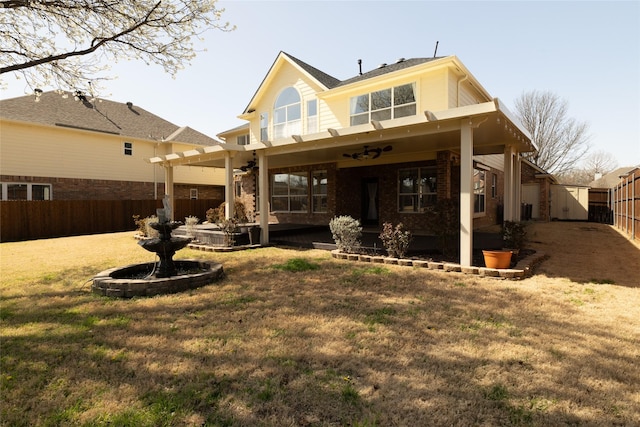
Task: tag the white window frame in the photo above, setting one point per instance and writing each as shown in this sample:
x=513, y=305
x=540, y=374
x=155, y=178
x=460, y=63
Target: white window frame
x=422, y=193
x=29, y=185
x=289, y=195
x=127, y=148
x=283, y=124
x=243, y=139
x=319, y=192
x=367, y=107
x=479, y=192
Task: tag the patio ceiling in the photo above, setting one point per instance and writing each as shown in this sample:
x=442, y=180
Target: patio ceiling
x=412, y=138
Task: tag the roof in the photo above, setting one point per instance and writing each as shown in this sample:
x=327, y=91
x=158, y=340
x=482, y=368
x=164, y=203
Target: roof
x=612, y=179
x=400, y=64
x=98, y=115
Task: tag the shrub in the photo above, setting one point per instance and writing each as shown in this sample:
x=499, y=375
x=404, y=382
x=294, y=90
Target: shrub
x=228, y=227
x=190, y=222
x=140, y=223
x=216, y=215
x=514, y=234
x=151, y=232
x=346, y=232
x=395, y=240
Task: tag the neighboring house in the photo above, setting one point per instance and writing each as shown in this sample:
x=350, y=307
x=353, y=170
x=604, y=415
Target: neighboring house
x=68, y=146
x=382, y=146
x=614, y=198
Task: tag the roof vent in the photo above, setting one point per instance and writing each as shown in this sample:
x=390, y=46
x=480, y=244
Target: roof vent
x=399, y=60
x=382, y=65
x=130, y=104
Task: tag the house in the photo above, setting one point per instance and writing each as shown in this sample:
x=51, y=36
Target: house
x=70, y=146
x=382, y=146
x=614, y=198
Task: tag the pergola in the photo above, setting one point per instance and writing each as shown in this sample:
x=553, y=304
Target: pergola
x=478, y=129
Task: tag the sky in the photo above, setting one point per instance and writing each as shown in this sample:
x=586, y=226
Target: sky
x=585, y=52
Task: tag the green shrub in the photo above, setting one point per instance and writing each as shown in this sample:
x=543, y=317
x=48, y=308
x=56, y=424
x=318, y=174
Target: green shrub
x=395, y=240
x=514, y=234
x=346, y=232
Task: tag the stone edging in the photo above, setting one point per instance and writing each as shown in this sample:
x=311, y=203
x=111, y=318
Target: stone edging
x=522, y=269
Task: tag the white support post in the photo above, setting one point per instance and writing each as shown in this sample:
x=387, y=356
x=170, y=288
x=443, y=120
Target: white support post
x=466, y=194
x=168, y=189
x=517, y=205
x=229, y=194
x=263, y=186
x=508, y=184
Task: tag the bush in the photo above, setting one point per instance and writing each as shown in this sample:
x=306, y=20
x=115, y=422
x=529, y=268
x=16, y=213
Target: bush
x=395, y=240
x=190, y=222
x=228, y=227
x=514, y=234
x=346, y=232
x=216, y=215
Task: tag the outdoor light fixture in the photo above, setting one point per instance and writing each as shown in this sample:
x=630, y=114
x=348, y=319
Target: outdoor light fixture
x=368, y=153
x=251, y=166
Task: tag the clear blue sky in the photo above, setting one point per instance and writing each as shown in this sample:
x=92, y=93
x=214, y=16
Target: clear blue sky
x=587, y=53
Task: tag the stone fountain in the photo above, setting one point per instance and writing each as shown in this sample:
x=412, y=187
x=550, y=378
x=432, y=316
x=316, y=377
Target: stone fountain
x=164, y=277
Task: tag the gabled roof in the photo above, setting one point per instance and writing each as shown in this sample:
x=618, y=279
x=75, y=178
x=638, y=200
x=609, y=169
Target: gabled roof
x=97, y=115
x=612, y=179
x=400, y=64
x=322, y=77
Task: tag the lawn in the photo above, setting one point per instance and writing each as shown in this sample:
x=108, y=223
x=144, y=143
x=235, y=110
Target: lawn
x=297, y=338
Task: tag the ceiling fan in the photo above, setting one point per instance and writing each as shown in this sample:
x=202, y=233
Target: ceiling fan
x=251, y=166
x=368, y=153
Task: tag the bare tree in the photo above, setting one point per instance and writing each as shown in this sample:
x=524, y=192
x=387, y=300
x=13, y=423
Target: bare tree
x=67, y=43
x=561, y=140
x=595, y=164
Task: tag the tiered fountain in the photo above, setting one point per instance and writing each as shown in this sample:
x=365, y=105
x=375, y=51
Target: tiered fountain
x=164, y=277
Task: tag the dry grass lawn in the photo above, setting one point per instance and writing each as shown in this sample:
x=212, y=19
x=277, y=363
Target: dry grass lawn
x=296, y=338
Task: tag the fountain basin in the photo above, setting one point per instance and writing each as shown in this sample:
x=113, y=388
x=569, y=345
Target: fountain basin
x=132, y=281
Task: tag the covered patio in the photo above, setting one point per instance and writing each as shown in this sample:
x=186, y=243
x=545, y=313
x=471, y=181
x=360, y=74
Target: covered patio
x=476, y=130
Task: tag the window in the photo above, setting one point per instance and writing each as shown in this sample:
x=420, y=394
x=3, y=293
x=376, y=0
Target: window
x=478, y=191
x=24, y=191
x=287, y=114
x=40, y=192
x=193, y=194
x=417, y=189
x=128, y=148
x=399, y=101
x=494, y=185
x=289, y=192
x=319, y=191
x=264, y=127
x=243, y=140
x=312, y=116
x=238, y=186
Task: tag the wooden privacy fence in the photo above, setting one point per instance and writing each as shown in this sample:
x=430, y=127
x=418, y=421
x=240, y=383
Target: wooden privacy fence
x=625, y=200
x=41, y=219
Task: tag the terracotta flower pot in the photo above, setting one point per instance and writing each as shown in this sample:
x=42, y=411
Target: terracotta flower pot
x=497, y=259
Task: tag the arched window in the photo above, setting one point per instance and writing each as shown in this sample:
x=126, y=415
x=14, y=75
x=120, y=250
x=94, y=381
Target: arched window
x=287, y=114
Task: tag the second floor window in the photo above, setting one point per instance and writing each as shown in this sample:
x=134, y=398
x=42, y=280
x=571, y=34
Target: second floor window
x=287, y=114
x=128, y=148
x=243, y=139
x=398, y=101
x=312, y=116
